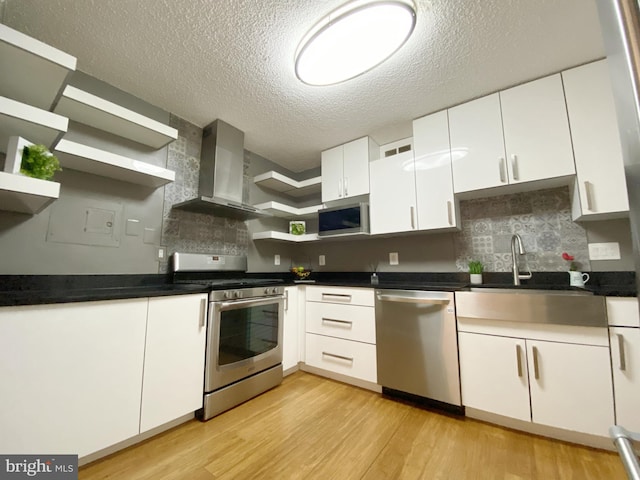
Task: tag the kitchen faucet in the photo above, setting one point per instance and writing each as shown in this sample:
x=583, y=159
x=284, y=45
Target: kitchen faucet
x=515, y=239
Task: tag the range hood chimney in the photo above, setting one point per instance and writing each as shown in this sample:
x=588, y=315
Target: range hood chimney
x=221, y=175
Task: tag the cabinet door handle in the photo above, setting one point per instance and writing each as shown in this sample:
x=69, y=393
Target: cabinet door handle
x=286, y=300
x=203, y=312
x=340, y=188
x=341, y=357
x=514, y=167
x=503, y=177
x=449, y=213
x=587, y=194
x=342, y=322
x=536, y=369
x=346, y=186
x=413, y=221
x=623, y=362
x=519, y=359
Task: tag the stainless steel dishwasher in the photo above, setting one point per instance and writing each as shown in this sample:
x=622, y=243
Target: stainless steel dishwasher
x=417, y=347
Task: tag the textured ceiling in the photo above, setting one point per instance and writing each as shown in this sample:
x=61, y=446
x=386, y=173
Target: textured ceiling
x=233, y=60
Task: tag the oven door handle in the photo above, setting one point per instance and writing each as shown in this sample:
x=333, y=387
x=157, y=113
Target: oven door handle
x=255, y=302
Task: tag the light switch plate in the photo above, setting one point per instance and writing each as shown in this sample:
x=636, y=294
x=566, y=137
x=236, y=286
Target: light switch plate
x=276, y=259
x=393, y=258
x=322, y=260
x=604, y=251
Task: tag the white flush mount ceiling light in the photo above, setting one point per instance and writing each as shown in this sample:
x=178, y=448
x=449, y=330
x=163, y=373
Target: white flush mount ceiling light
x=354, y=39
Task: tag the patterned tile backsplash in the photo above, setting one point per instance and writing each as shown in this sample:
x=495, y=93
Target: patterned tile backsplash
x=541, y=218
x=192, y=232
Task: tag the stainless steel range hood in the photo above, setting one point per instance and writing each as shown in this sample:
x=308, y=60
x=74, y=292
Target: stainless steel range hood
x=221, y=172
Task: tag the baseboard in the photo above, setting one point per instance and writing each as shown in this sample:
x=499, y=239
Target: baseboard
x=595, y=441
x=374, y=387
x=291, y=370
x=133, y=440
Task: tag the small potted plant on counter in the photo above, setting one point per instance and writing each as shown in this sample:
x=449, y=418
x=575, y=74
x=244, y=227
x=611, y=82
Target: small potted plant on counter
x=475, y=271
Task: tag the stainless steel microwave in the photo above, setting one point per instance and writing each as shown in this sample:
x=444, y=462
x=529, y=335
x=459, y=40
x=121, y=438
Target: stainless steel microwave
x=343, y=220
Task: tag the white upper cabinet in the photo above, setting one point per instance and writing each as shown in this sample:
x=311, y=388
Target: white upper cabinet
x=436, y=205
x=345, y=169
x=601, y=187
x=393, y=189
x=477, y=144
x=536, y=131
x=517, y=135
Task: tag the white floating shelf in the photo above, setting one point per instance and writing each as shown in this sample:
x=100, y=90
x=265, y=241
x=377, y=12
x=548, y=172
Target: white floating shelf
x=32, y=72
x=19, y=193
x=32, y=123
x=76, y=156
x=281, y=183
x=97, y=112
x=286, y=211
x=285, y=237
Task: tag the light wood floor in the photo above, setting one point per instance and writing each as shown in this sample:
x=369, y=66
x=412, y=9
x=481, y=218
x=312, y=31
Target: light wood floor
x=314, y=428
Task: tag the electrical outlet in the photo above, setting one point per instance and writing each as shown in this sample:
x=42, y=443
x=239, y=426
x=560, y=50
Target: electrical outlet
x=604, y=251
x=160, y=253
x=393, y=258
x=322, y=260
x=276, y=259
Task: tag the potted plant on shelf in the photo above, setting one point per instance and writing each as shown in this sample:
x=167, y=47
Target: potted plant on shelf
x=31, y=160
x=475, y=271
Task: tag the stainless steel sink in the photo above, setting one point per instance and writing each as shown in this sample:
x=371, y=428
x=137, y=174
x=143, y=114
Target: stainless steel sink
x=558, y=307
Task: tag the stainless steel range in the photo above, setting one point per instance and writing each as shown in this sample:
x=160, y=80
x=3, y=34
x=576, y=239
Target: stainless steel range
x=244, y=330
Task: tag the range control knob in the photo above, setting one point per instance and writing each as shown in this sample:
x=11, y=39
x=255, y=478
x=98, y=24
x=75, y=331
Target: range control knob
x=267, y=291
x=274, y=291
x=237, y=294
x=226, y=294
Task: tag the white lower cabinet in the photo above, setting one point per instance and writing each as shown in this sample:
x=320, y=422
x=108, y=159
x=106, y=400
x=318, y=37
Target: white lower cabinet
x=495, y=382
x=173, y=382
x=625, y=360
x=557, y=384
x=340, y=335
x=71, y=376
x=354, y=359
x=80, y=377
x=290, y=343
x=624, y=335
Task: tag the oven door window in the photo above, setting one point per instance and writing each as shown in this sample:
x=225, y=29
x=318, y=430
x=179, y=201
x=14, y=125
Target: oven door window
x=247, y=332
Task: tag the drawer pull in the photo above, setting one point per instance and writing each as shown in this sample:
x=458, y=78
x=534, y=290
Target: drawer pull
x=519, y=359
x=340, y=357
x=536, y=368
x=501, y=170
x=337, y=296
x=342, y=322
x=623, y=362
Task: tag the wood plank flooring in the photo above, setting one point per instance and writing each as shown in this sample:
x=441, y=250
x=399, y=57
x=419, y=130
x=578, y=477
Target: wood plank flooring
x=314, y=428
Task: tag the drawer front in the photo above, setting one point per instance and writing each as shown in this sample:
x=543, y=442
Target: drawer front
x=341, y=295
x=351, y=322
x=623, y=311
x=354, y=359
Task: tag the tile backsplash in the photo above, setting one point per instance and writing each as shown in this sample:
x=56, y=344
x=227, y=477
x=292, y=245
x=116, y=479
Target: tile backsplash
x=191, y=232
x=543, y=220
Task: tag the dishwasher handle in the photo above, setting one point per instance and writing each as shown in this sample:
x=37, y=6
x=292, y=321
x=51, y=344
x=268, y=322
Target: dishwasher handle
x=404, y=299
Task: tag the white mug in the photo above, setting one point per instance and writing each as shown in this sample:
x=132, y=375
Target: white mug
x=578, y=279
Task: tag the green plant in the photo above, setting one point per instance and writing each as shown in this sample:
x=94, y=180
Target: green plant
x=39, y=162
x=476, y=266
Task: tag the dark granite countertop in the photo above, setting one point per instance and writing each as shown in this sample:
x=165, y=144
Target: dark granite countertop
x=45, y=289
